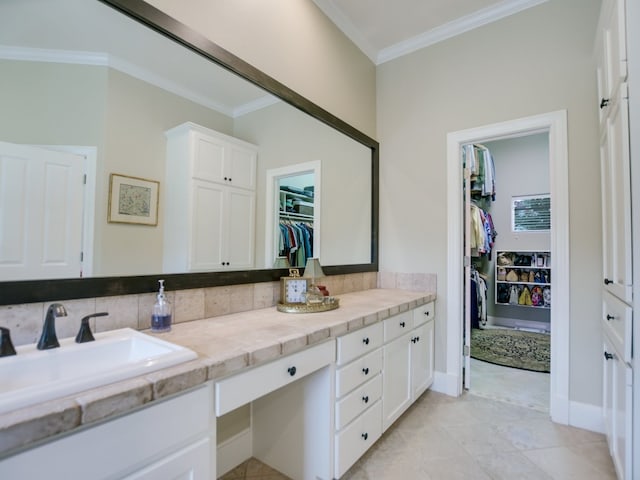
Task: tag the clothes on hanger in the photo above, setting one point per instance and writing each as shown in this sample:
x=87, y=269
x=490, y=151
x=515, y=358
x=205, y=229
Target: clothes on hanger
x=482, y=170
x=483, y=233
x=295, y=242
x=478, y=305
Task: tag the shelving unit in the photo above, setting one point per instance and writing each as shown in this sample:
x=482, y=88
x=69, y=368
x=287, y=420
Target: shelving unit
x=533, y=271
x=288, y=197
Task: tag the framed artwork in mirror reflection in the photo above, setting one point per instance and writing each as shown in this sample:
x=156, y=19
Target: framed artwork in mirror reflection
x=133, y=200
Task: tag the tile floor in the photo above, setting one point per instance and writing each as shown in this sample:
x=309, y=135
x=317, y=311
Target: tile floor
x=472, y=437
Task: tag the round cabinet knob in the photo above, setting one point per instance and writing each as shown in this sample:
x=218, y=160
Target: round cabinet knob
x=292, y=371
x=365, y=340
x=402, y=324
x=365, y=399
x=427, y=313
x=365, y=436
x=607, y=281
x=225, y=178
x=610, y=317
x=608, y=356
x=365, y=370
x=604, y=102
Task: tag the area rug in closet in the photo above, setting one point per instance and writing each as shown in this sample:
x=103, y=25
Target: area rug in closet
x=512, y=348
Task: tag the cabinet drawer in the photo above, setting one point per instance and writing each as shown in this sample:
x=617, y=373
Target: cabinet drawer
x=358, y=343
x=617, y=323
x=424, y=313
x=240, y=389
x=357, y=401
x=356, y=439
x=358, y=372
x=397, y=325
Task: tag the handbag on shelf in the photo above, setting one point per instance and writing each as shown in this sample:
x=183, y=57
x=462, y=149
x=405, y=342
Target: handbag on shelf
x=502, y=274
x=512, y=276
x=525, y=297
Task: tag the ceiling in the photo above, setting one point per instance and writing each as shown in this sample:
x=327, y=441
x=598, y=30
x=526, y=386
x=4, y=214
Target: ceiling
x=387, y=29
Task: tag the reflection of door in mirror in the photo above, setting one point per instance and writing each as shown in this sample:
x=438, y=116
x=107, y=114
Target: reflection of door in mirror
x=295, y=214
x=41, y=215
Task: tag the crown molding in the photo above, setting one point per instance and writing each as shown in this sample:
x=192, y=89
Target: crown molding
x=456, y=27
x=106, y=60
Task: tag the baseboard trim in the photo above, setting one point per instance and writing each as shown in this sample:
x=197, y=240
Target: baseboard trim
x=586, y=416
x=445, y=383
x=233, y=452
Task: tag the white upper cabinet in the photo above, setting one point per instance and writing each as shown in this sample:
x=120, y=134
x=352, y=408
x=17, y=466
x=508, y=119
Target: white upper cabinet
x=209, y=201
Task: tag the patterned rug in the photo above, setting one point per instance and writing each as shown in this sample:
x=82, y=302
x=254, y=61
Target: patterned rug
x=512, y=348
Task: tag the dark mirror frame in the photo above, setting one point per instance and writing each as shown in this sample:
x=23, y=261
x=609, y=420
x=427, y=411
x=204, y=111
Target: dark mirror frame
x=66, y=289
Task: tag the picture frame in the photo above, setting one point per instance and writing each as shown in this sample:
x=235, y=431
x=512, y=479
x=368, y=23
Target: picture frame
x=133, y=200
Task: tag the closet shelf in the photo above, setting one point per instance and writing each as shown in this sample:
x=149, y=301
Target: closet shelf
x=296, y=216
x=533, y=284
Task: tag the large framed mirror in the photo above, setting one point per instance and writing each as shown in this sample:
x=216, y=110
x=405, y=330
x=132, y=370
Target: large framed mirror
x=105, y=79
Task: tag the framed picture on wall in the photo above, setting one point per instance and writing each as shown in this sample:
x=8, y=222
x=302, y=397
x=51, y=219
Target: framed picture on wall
x=133, y=200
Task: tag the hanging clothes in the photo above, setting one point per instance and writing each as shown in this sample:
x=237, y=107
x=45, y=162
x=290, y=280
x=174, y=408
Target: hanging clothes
x=295, y=242
x=479, y=160
x=483, y=233
x=478, y=300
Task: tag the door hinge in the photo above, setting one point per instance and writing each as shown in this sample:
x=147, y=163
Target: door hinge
x=466, y=350
x=84, y=179
x=467, y=173
x=82, y=256
x=466, y=261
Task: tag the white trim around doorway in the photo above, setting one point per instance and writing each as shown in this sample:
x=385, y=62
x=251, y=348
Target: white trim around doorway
x=555, y=124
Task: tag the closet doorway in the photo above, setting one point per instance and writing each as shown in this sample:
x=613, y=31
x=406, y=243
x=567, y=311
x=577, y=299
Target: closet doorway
x=508, y=278
x=554, y=124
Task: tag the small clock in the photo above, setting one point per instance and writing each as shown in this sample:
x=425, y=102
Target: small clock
x=293, y=288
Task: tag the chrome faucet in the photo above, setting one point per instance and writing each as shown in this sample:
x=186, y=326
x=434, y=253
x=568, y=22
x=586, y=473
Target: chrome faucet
x=48, y=339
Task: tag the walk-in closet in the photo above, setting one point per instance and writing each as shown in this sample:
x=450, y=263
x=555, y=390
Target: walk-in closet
x=508, y=274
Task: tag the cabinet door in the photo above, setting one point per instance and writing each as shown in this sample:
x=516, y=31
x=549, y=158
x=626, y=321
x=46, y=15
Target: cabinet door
x=242, y=166
x=396, y=384
x=617, y=201
x=240, y=230
x=421, y=359
x=208, y=227
x=209, y=158
x=191, y=462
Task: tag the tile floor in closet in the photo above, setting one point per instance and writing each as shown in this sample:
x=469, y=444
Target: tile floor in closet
x=473, y=437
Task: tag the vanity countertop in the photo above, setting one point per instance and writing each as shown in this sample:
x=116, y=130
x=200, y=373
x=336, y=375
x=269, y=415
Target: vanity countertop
x=225, y=345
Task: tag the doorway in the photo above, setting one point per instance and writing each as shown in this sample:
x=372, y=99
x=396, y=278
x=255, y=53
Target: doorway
x=555, y=125
x=509, y=305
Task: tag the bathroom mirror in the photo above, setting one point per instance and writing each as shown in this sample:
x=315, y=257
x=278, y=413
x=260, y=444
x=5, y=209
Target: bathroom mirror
x=138, y=67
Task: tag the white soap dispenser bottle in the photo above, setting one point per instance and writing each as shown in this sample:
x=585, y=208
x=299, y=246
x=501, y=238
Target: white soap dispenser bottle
x=161, y=315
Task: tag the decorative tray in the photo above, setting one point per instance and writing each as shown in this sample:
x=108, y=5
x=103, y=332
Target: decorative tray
x=329, y=303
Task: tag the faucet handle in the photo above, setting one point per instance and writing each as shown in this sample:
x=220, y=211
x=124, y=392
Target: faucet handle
x=6, y=345
x=84, y=334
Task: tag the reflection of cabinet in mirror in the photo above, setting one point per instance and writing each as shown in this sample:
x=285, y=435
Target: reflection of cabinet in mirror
x=211, y=177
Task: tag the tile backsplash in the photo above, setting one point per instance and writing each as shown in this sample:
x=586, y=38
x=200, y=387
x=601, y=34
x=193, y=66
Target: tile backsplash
x=134, y=311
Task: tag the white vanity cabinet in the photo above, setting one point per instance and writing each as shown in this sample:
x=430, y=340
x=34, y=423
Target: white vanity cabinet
x=169, y=439
x=407, y=360
x=358, y=408
x=209, y=201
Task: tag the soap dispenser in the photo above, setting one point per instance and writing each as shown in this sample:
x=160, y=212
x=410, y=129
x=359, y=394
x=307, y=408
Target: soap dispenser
x=161, y=315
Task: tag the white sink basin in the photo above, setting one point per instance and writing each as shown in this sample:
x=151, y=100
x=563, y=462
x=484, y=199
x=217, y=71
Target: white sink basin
x=33, y=376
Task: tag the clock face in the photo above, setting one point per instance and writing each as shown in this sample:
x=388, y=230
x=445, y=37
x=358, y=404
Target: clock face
x=293, y=290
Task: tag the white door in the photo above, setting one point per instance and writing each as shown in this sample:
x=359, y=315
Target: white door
x=41, y=210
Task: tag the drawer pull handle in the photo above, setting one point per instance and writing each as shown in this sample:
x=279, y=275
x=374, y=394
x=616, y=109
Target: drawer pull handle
x=365, y=435
x=292, y=371
x=365, y=370
x=365, y=340
x=608, y=356
x=607, y=281
x=402, y=324
x=610, y=317
x=365, y=399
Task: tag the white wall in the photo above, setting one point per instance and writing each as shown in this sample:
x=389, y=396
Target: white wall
x=537, y=61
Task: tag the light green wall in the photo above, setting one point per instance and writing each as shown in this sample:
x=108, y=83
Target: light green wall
x=537, y=61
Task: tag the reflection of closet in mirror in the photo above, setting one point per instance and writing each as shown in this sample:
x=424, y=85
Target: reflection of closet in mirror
x=295, y=206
